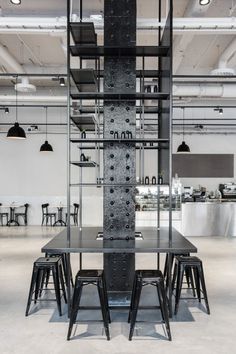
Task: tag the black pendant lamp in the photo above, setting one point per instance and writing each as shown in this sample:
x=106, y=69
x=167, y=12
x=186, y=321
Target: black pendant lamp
x=183, y=147
x=46, y=147
x=16, y=132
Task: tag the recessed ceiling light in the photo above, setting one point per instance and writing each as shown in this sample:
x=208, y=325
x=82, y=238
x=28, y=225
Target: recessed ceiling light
x=16, y=2
x=204, y=2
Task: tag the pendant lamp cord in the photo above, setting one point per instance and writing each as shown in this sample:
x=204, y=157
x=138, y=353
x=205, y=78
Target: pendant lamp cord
x=16, y=99
x=46, y=108
x=183, y=122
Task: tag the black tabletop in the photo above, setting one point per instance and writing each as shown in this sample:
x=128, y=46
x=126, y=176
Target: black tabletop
x=86, y=241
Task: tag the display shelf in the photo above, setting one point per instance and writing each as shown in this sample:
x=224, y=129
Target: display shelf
x=116, y=185
x=100, y=140
x=84, y=163
x=83, y=33
x=85, y=80
x=101, y=51
x=120, y=96
x=85, y=122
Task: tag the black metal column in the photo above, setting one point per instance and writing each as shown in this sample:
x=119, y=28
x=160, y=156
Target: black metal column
x=119, y=157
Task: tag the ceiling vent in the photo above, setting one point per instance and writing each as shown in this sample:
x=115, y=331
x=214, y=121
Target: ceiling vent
x=25, y=86
x=223, y=72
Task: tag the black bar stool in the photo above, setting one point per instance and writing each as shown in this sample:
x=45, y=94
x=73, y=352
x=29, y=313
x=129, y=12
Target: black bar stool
x=66, y=266
x=188, y=271
x=86, y=277
x=189, y=263
x=142, y=278
x=42, y=265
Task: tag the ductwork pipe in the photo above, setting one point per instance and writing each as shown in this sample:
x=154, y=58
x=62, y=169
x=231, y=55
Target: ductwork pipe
x=222, y=66
x=204, y=90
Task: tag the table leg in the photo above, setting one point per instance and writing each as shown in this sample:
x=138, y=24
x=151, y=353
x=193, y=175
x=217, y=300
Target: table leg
x=169, y=277
x=68, y=284
x=59, y=220
x=12, y=218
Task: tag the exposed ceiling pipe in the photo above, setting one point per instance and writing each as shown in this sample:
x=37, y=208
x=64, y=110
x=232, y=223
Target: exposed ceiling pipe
x=181, y=43
x=187, y=24
x=205, y=91
x=226, y=91
x=222, y=65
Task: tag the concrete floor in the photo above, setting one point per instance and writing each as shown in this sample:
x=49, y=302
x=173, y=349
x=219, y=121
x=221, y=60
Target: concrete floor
x=193, y=331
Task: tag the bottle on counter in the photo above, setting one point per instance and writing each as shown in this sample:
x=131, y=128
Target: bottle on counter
x=154, y=180
x=160, y=179
x=146, y=180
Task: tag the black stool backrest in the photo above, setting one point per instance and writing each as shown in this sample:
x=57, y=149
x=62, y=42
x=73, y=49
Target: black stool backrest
x=45, y=208
x=26, y=207
x=76, y=208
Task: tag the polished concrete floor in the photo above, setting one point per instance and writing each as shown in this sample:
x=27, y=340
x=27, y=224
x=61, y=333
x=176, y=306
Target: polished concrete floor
x=193, y=331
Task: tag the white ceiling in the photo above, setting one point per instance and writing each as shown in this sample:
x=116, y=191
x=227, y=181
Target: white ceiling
x=45, y=52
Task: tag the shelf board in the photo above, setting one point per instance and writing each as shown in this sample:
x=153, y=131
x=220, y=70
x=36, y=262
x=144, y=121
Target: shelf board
x=84, y=163
x=83, y=33
x=117, y=51
x=119, y=96
x=130, y=141
x=84, y=122
x=85, y=79
x=117, y=185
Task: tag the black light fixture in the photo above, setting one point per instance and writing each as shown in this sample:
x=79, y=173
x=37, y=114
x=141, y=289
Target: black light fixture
x=16, y=132
x=204, y=2
x=62, y=81
x=219, y=110
x=183, y=147
x=46, y=147
x=16, y=2
x=6, y=110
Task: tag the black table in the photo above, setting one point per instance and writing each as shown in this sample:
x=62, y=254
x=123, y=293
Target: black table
x=154, y=241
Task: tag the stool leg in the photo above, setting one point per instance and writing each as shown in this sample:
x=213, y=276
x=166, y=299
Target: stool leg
x=159, y=297
x=132, y=298
x=38, y=284
x=103, y=308
x=174, y=276
x=31, y=291
x=135, y=306
x=66, y=266
x=55, y=274
x=62, y=283
x=48, y=271
x=106, y=297
x=75, y=306
x=163, y=304
x=201, y=276
x=178, y=287
x=196, y=277
x=42, y=281
x=189, y=274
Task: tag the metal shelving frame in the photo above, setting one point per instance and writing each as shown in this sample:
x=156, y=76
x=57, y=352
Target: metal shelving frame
x=162, y=109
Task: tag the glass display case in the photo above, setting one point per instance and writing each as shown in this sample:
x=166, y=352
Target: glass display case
x=146, y=198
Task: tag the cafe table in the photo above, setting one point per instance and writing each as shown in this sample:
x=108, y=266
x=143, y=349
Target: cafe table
x=154, y=241
x=60, y=206
x=12, y=206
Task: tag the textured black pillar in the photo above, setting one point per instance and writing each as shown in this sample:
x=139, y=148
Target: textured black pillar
x=119, y=158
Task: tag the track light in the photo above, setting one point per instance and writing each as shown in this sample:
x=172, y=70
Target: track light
x=62, y=81
x=219, y=110
x=204, y=2
x=16, y=2
x=6, y=110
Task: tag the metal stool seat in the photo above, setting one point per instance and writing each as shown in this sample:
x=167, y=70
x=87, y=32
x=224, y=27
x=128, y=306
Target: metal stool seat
x=86, y=277
x=190, y=264
x=40, y=267
x=142, y=278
